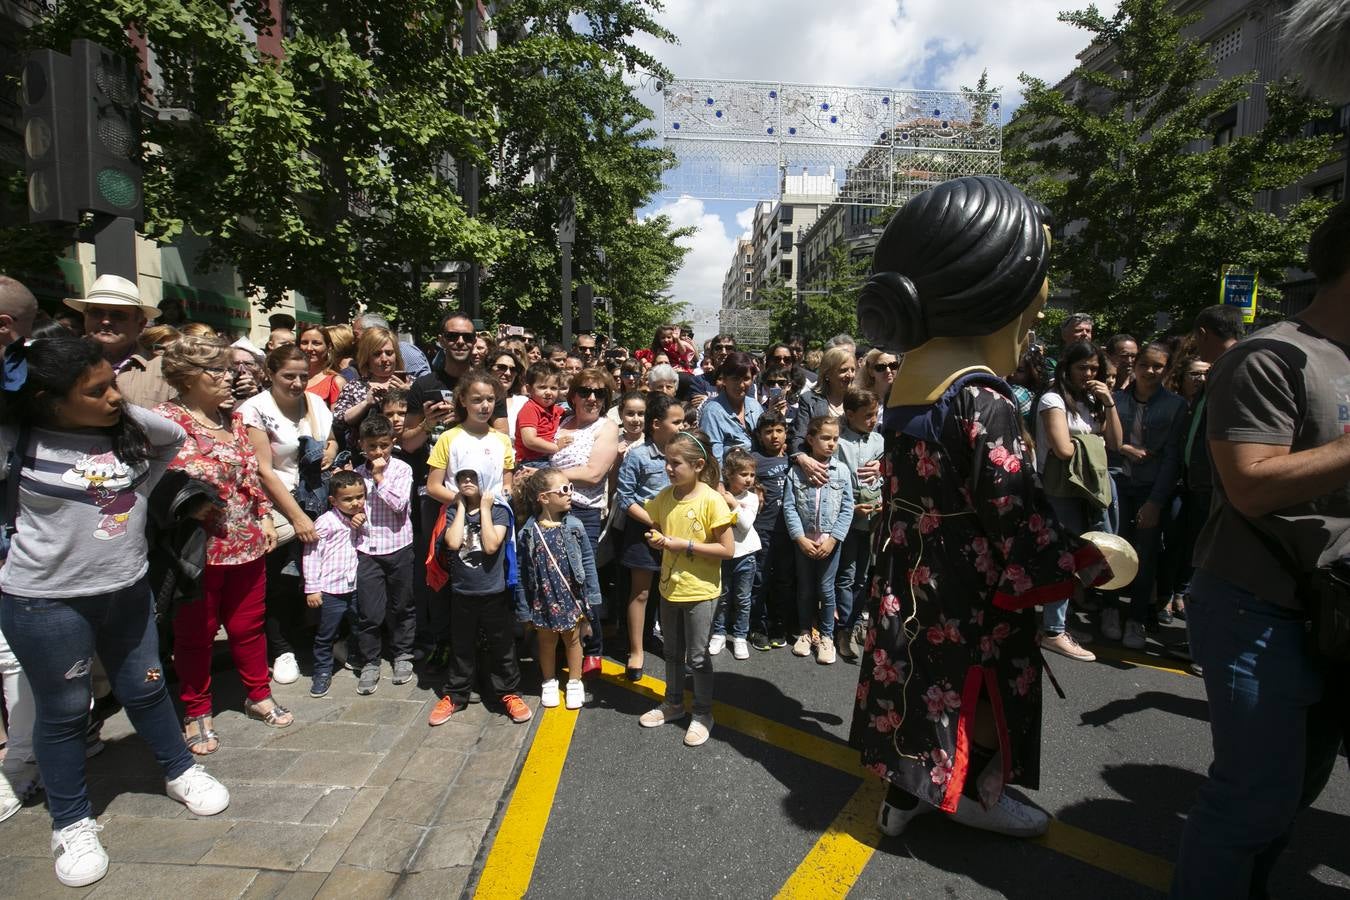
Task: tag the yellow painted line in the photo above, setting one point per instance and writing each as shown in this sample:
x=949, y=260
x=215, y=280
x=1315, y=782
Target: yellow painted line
x=1142, y=660
x=843, y=851
x=857, y=817
x=1108, y=855
x=794, y=740
x=510, y=863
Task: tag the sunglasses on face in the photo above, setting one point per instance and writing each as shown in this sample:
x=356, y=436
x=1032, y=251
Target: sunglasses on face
x=502, y=367
x=774, y=382
x=454, y=337
x=588, y=393
x=564, y=490
x=885, y=367
x=782, y=360
x=724, y=346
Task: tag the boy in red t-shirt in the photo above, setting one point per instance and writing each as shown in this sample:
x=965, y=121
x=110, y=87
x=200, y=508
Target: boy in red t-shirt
x=538, y=420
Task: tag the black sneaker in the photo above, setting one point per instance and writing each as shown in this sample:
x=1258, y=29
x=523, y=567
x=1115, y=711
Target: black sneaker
x=777, y=640
x=760, y=641
x=319, y=686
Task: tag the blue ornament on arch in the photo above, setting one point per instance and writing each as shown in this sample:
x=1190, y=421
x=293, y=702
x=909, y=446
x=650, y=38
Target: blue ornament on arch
x=792, y=131
x=718, y=114
x=834, y=120
x=709, y=101
x=676, y=126
x=773, y=95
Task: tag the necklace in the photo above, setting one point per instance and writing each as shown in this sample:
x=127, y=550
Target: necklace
x=200, y=420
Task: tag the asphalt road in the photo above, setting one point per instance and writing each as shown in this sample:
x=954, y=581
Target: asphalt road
x=636, y=813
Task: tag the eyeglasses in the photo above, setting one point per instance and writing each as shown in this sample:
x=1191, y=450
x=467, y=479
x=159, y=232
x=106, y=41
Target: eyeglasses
x=782, y=360
x=586, y=350
x=885, y=367
x=219, y=373
x=562, y=490
x=465, y=337
x=588, y=393
x=504, y=368
x=724, y=346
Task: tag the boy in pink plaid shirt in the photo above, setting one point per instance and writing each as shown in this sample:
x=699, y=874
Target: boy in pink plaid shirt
x=384, y=560
x=329, y=566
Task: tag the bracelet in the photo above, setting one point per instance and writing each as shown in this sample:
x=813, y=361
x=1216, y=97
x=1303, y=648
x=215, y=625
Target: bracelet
x=689, y=551
x=1108, y=406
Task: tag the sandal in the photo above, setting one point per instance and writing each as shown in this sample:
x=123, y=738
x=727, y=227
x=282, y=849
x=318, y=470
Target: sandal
x=272, y=717
x=205, y=734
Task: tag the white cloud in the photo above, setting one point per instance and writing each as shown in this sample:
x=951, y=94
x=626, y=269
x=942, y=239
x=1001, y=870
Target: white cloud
x=920, y=44
x=711, y=248
x=745, y=220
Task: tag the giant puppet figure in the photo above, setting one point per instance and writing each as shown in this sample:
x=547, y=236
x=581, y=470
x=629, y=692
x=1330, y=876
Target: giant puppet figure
x=948, y=708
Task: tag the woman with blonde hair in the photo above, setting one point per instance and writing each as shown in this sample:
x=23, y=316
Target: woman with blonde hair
x=239, y=534
x=379, y=367
x=197, y=329
x=154, y=338
x=877, y=374
x=838, y=369
x=343, y=341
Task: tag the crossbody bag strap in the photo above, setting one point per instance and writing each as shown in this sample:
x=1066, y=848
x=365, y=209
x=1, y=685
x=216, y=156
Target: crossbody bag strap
x=12, y=478
x=557, y=568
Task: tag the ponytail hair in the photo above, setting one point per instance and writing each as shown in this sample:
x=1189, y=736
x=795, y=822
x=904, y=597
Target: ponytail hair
x=525, y=497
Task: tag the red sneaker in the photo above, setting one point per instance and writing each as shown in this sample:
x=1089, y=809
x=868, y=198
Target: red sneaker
x=441, y=712
x=589, y=666
x=516, y=709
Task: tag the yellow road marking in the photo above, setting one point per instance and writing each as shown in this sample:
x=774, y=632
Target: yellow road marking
x=510, y=863
x=1145, y=661
x=855, y=819
x=838, y=858
x=1111, y=856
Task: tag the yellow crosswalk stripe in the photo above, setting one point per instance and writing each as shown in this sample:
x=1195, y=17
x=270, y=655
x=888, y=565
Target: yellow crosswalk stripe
x=837, y=860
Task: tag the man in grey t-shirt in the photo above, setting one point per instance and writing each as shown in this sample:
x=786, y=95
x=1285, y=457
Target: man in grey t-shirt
x=1278, y=407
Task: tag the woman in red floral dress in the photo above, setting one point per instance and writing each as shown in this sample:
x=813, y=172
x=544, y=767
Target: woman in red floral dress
x=949, y=693
x=217, y=451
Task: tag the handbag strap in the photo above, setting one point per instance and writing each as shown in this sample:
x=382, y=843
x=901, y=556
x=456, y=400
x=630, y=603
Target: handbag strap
x=557, y=568
x=12, y=478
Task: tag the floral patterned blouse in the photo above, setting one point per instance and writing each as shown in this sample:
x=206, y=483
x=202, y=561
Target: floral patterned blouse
x=236, y=534
x=966, y=546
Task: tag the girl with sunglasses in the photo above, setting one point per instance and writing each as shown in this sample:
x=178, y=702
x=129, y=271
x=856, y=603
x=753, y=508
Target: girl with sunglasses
x=558, y=581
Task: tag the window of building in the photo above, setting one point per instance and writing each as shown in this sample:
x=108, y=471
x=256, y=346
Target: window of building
x=747, y=277
x=785, y=215
x=1223, y=127
x=785, y=269
x=785, y=240
x=747, y=294
x=1226, y=45
x=1328, y=190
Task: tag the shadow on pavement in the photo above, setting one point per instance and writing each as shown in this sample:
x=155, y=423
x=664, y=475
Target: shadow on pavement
x=1189, y=707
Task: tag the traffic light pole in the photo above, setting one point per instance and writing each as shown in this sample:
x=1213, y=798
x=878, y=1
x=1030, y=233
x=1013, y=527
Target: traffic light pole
x=115, y=246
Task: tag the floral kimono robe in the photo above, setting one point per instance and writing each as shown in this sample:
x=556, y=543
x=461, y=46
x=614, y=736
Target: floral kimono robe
x=966, y=546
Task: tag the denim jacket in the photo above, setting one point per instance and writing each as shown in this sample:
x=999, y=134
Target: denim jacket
x=580, y=563
x=827, y=509
x=723, y=429
x=1164, y=429
x=642, y=475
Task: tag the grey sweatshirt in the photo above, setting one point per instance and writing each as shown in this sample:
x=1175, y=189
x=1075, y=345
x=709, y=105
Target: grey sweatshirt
x=80, y=528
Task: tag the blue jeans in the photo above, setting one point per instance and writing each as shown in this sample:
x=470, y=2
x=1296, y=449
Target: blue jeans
x=335, y=608
x=850, y=587
x=55, y=641
x=1275, y=739
x=773, y=609
x=1076, y=517
x=738, y=579
x=815, y=591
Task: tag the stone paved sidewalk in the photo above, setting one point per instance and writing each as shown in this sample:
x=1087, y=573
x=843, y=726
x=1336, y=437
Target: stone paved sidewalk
x=359, y=798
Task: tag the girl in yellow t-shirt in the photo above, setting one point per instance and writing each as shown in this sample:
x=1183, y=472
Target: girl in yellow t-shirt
x=690, y=526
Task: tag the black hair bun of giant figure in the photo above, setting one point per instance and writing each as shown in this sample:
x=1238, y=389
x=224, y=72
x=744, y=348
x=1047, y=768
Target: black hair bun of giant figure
x=962, y=259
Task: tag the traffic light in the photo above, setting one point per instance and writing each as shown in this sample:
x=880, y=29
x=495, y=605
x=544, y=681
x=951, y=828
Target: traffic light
x=107, y=117
x=585, y=309
x=50, y=142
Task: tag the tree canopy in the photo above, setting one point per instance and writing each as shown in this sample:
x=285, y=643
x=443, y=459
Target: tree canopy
x=335, y=167
x=1148, y=203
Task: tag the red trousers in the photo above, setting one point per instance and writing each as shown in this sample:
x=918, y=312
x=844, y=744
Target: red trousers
x=232, y=596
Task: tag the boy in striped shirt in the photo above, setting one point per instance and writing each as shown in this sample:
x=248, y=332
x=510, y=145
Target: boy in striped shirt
x=329, y=566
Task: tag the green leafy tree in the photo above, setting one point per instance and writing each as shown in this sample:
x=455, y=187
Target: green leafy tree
x=825, y=308
x=333, y=168
x=1153, y=206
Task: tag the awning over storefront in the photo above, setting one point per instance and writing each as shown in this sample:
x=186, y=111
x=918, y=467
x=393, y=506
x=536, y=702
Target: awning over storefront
x=220, y=311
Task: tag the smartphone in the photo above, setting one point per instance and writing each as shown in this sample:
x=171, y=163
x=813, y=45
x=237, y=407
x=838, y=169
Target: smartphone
x=401, y=374
x=775, y=392
x=447, y=396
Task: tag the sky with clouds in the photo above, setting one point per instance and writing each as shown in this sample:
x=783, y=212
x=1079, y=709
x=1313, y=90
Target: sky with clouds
x=917, y=44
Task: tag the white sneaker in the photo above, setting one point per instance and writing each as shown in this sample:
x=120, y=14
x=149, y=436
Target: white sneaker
x=285, y=670
x=802, y=646
x=1111, y=624
x=740, y=648
x=576, y=694
x=696, y=735
x=199, y=792
x=716, y=643
x=80, y=857
x=1007, y=816
x=825, y=651
x=892, y=820
x=1135, y=636
x=548, y=693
